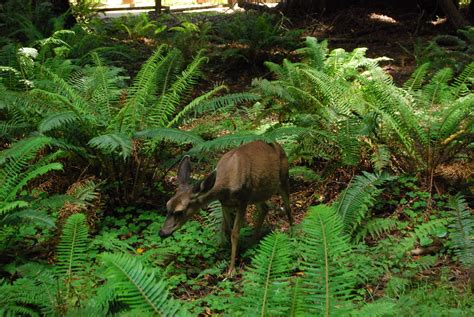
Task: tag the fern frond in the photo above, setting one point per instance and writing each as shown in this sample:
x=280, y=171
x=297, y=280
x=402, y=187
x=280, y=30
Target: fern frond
x=353, y=203
x=422, y=231
x=113, y=142
x=16, y=169
x=437, y=90
x=461, y=229
x=462, y=84
x=193, y=105
x=167, y=103
x=137, y=288
x=56, y=120
x=213, y=220
x=380, y=158
x=453, y=117
x=225, y=142
x=304, y=172
x=170, y=134
x=266, y=282
x=227, y=100
x=328, y=280
x=77, y=104
x=417, y=78
x=396, y=286
x=375, y=228
x=37, y=217
x=379, y=308
x=72, y=247
x=9, y=206
x=314, y=53
x=142, y=88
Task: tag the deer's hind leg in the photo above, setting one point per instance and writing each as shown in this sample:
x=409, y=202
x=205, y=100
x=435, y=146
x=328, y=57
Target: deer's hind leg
x=234, y=237
x=262, y=209
x=228, y=214
x=285, y=195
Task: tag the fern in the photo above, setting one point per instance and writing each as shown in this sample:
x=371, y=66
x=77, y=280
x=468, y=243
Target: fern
x=71, y=250
x=375, y=228
x=170, y=134
x=139, y=289
x=214, y=219
x=421, y=232
x=397, y=286
x=417, y=78
x=353, y=203
x=462, y=83
x=143, y=88
x=461, y=230
x=375, y=309
x=56, y=120
x=304, y=172
x=266, y=285
x=114, y=142
x=169, y=100
x=16, y=169
x=37, y=217
x=328, y=281
x=234, y=140
x=380, y=157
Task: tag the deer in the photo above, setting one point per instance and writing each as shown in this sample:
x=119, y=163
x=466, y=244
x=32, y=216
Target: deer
x=249, y=174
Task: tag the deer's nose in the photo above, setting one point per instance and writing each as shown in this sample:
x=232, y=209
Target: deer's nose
x=163, y=234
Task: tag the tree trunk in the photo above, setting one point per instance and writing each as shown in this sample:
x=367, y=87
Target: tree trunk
x=63, y=7
x=452, y=13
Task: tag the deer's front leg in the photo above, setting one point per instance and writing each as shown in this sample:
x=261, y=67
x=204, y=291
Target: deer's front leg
x=234, y=238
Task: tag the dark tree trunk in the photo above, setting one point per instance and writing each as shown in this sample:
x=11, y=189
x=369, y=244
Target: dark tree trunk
x=63, y=7
x=453, y=14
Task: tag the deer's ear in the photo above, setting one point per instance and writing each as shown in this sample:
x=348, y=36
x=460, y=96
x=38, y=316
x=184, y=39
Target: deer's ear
x=184, y=171
x=208, y=182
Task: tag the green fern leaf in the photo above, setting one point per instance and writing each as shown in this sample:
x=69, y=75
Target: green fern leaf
x=72, y=247
x=461, y=230
x=462, y=84
x=56, y=120
x=170, y=134
x=380, y=157
x=417, y=78
x=266, y=282
x=354, y=202
x=113, y=142
x=375, y=228
x=328, y=280
x=138, y=288
x=37, y=217
x=304, y=172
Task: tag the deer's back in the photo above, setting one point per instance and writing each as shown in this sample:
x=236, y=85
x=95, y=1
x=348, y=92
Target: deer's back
x=253, y=172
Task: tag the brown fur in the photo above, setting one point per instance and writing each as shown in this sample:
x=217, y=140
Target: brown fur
x=251, y=173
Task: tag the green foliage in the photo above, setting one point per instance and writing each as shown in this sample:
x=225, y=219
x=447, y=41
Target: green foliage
x=326, y=288
x=22, y=211
x=139, y=289
x=86, y=112
x=266, y=284
x=461, y=228
x=71, y=250
x=250, y=37
x=351, y=108
x=353, y=203
x=63, y=105
x=28, y=21
x=453, y=51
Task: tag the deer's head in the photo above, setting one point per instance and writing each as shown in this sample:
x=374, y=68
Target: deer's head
x=187, y=200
